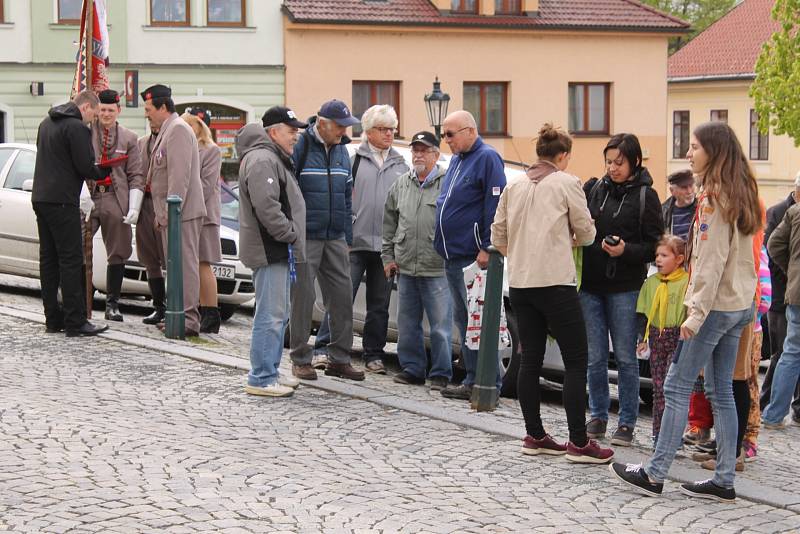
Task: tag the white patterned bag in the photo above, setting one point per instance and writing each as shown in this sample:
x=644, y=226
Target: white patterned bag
x=476, y=287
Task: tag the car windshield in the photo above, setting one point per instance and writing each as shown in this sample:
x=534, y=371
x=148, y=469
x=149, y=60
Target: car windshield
x=229, y=199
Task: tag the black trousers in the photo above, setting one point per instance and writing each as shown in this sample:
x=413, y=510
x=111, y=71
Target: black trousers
x=556, y=311
x=777, y=335
x=61, y=263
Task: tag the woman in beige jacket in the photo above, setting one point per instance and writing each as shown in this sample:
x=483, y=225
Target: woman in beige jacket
x=719, y=302
x=536, y=224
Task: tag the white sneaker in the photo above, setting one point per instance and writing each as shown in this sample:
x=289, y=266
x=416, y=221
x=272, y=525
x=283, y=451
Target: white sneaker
x=288, y=380
x=272, y=390
x=319, y=361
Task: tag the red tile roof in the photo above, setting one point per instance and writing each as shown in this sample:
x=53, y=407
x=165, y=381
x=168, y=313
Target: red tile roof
x=729, y=47
x=553, y=14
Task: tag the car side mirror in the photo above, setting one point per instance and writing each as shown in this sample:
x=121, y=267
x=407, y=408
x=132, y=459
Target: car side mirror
x=27, y=185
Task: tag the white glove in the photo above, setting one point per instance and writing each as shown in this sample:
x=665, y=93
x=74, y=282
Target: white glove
x=135, y=197
x=85, y=202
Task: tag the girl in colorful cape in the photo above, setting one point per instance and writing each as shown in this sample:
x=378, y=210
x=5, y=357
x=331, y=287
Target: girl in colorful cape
x=660, y=311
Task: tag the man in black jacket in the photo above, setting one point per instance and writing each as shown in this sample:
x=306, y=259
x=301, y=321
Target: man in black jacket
x=64, y=159
x=776, y=317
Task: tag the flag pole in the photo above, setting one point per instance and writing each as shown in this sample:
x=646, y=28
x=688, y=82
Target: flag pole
x=88, y=258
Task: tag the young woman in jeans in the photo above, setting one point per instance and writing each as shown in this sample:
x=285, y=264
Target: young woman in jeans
x=629, y=222
x=719, y=300
x=534, y=226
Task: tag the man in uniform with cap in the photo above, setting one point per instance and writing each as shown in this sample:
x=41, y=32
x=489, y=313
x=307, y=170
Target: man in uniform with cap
x=679, y=208
x=149, y=249
x=117, y=196
x=271, y=239
x=322, y=166
x=174, y=169
x=410, y=211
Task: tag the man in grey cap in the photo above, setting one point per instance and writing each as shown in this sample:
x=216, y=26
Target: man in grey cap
x=322, y=167
x=272, y=220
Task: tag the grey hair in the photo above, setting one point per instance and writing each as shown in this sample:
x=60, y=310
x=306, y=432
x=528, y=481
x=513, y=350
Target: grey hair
x=381, y=114
x=797, y=180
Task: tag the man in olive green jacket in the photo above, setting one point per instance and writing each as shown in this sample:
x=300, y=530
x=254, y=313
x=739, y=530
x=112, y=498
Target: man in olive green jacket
x=408, y=224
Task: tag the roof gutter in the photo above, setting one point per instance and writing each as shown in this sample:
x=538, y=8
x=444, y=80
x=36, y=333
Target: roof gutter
x=711, y=78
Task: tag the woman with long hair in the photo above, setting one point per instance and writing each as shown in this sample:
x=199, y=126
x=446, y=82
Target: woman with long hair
x=536, y=223
x=210, y=249
x=719, y=301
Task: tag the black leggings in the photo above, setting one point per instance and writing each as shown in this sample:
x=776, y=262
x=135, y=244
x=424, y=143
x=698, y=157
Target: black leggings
x=554, y=310
x=741, y=396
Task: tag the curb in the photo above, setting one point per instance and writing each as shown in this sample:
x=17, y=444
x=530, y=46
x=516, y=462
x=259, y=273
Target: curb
x=679, y=472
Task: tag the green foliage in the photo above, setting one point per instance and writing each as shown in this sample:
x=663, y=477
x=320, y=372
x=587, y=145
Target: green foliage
x=700, y=13
x=775, y=90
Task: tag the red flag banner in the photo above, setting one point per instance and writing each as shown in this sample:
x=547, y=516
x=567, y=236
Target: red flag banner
x=97, y=67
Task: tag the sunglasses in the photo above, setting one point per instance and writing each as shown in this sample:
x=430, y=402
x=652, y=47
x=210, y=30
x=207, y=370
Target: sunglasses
x=449, y=134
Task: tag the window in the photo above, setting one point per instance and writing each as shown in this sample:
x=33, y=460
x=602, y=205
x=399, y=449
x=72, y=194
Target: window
x=508, y=7
x=759, y=143
x=69, y=11
x=226, y=12
x=589, y=108
x=719, y=115
x=464, y=6
x=368, y=94
x=487, y=103
x=680, y=134
x=169, y=12
x=21, y=169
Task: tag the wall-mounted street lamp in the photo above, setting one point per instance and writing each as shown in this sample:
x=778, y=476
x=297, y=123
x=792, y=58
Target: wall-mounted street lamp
x=436, y=103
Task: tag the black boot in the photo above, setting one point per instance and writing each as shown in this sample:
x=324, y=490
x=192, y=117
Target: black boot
x=210, y=320
x=158, y=292
x=114, y=274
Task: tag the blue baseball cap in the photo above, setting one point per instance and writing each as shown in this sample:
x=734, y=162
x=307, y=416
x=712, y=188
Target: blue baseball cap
x=337, y=111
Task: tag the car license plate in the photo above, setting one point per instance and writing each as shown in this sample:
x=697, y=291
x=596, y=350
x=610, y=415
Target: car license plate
x=224, y=272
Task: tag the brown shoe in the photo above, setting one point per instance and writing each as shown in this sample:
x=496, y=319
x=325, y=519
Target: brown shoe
x=344, y=370
x=304, y=372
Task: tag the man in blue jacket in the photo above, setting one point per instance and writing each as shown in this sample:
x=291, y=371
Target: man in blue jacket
x=464, y=214
x=322, y=167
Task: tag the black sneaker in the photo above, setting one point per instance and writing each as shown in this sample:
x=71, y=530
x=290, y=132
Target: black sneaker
x=596, y=428
x=634, y=475
x=623, y=436
x=407, y=378
x=460, y=392
x=706, y=489
x=438, y=383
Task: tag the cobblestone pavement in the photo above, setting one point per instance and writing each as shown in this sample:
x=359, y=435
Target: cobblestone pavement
x=217, y=391
x=101, y=438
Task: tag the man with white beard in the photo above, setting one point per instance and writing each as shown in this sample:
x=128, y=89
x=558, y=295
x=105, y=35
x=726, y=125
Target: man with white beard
x=408, y=223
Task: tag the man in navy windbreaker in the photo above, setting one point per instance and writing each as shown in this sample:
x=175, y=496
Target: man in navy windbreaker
x=464, y=214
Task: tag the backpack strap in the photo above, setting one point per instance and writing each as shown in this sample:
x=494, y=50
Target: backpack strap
x=301, y=162
x=642, y=193
x=356, y=163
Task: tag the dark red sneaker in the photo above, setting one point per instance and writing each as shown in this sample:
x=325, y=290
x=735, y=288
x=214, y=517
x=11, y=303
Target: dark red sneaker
x=546, y=445
x=591, y=453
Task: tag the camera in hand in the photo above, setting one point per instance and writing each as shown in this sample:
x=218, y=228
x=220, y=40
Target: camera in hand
x=611, y=240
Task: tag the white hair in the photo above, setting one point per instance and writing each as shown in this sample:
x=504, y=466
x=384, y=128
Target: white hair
x=797, y=180
x=382, y=114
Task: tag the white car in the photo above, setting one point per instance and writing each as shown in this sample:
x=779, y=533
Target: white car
x=19, y=239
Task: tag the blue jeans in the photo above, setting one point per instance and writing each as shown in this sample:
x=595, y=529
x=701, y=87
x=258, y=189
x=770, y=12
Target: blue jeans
x=713, y=349
x=431, y=295
x=269, y=323
x=615, y=312
x=454, y=270
x=784, y=379
x=376, y=322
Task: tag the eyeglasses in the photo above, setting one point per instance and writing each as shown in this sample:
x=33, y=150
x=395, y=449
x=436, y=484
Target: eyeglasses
x=453, y=134
x=421, y=150
x=383, y=130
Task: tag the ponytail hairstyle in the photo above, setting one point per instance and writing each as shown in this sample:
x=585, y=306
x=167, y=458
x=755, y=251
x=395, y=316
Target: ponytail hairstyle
x=552, y=142
x=728, y=177
x=675, y=243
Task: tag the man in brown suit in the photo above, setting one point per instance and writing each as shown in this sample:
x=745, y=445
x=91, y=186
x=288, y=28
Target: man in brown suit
x=118, y=196
x=149, y=248
x=174, y=169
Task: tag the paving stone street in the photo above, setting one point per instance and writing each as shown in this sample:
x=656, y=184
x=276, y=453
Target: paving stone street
x=104, y=436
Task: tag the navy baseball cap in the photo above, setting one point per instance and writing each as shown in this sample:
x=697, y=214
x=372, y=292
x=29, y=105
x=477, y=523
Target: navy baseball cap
x=337, y=111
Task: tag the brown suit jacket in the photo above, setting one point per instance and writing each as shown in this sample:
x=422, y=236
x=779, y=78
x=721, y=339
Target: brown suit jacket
x=175, y=170
x=129, y=175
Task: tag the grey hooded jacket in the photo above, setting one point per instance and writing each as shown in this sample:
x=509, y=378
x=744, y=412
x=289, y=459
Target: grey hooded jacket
x=272, y=211
x=408, y=225
x=370, y=187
